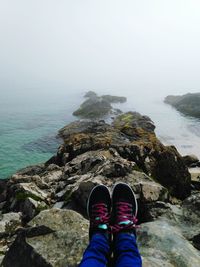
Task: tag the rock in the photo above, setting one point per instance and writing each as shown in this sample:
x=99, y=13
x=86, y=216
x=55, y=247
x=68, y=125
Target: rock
x=171, y=172
x=25, y=190
x=196, y=241
x=132, y=136
x=92, y=153
x=188, y=104
x=9, y=222
x=91, y=94
x=77, y=191
x=27, y=198
x=32, y=170
x=59, y=205
x=191, y=205
x=153, y=191
x=63, y=247
x=190, y=159
x=93, y=108
x=114, y=99
x=32, y=207
x=3, y=189
x=99, y=162
x=162, y=244
x=131, y=123
x=195, y=174
x=97, y=106
x=190, y=222
x=195, y=178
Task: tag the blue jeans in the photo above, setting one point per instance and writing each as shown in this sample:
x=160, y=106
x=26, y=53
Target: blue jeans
x=126, y=253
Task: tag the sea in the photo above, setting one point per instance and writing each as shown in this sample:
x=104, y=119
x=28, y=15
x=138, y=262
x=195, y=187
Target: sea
x=30, y=120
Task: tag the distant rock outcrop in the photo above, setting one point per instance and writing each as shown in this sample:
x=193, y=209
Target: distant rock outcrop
x=188, y=104
x=98, y=106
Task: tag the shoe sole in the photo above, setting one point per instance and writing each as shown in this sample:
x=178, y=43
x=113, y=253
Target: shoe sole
x=91, y=194
x=136, y=204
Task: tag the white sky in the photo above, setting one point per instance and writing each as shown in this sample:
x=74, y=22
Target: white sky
x=101, y=44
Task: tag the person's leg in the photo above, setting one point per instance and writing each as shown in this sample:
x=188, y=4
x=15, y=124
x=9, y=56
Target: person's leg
x=96, y=254
x=124, y=213
x=98, y=209
x=126, y=251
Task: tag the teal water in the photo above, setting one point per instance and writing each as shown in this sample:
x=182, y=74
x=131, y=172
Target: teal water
x=27, y=119
x=30, y=120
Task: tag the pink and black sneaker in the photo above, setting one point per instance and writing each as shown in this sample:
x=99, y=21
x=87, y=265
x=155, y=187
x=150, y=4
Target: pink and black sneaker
x=124, y=209
x=98, y=209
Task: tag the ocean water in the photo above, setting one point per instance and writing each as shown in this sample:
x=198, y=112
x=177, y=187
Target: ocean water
x=28, y=126
x=30, y=120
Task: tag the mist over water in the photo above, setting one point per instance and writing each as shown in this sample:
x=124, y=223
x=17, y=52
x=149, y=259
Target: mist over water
x=51, y=52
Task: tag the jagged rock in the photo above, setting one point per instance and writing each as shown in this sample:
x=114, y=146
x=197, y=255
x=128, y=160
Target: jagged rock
x=163, y=244
x=98, y=153
x=79, y=187
x=190, y=159
x=63, y=247
x=27, y=198
x=192, y=203
x=114, y=99
x=196, y=241
x=97, y=106
x=32, y=170
x=190, y=221
x=9, y=223
x=3, y=189
x=132, y=136
x=99, y=162
x=131, y=122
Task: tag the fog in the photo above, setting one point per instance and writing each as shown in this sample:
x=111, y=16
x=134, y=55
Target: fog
x=108, y=45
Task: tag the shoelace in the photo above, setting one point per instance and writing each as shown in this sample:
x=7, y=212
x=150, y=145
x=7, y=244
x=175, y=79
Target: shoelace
x=124, y=219
x=99, y=215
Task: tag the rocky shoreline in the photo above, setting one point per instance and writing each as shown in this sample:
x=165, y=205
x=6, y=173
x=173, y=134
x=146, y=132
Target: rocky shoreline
x=188, y=104
x=43, y=207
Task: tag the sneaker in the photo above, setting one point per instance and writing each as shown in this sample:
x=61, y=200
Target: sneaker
x=124, y=209
x=98, y=209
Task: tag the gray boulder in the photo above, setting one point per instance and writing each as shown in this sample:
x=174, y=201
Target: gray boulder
x=62, y=246
x=163, y=244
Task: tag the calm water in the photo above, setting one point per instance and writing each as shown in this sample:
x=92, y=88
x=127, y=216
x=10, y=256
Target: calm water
x=28, y=122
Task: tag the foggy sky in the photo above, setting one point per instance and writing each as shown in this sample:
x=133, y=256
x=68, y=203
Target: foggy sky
x=147, y=45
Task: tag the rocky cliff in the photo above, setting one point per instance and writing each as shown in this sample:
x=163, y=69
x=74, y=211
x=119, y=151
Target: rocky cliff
x=43, y=207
